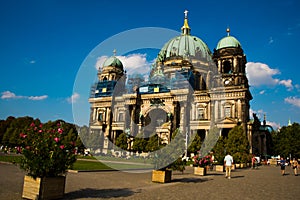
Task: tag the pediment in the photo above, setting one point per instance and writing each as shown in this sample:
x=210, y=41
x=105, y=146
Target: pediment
x=227, y=120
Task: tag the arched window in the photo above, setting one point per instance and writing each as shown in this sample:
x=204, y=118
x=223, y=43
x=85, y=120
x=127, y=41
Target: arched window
x=227, y=67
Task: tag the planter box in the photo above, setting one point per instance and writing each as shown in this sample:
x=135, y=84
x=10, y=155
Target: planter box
x=220, y=168
x=233, y=167
x=161, y=176
x=201, y=171
x=44, y=188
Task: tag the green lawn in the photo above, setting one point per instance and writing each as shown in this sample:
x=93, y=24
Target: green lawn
x=89, y=165
x=83, y=164
x=11, y=158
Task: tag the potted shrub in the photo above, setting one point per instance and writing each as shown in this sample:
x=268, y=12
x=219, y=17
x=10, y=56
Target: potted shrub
x=48, y=152
x=168, y=158
x=201, y=163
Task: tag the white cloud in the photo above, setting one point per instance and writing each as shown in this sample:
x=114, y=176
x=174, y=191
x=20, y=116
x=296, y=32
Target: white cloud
x=100, y=61
x=287, y=84
x=271, y=40
x=133, y=63
x=262, y=92
x=73, y=98
x=11, y=95
x=261, y=74
x=38, y=98
x=274, y=125
x=293, y=100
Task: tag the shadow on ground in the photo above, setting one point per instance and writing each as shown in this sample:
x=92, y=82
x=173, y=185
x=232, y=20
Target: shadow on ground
x=190, y=180
x=98, y=193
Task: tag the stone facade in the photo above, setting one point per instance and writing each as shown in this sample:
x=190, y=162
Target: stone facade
x=189, y=88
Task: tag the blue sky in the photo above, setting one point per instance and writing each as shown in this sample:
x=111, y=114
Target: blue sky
x=46, y=46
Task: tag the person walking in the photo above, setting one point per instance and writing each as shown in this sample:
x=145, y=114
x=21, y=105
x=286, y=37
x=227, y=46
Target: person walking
x=295, y=166
x=228, y=161
x=253, y=161
x=282, y=166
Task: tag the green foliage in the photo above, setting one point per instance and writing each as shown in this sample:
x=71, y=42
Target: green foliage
x=237, y=145
x=210, y=141
x=13, y=127
x=139, y=143
x=287, y=141
x=122, y=141
x=48, y=149
x=219, y=150
x=195, y=144
x=178, y=165
x=153, y=143
x=166, y=157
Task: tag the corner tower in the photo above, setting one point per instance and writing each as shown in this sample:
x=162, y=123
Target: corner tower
x=231, y=63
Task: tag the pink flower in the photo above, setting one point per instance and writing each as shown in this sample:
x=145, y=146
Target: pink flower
x=60, y=130
x=62, y=146
x=56, y=139
x=22, y=135
x=32, y=124
x=40, y=130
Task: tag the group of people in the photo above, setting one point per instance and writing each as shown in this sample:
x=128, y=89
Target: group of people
x=228, y=162
x=294, y=164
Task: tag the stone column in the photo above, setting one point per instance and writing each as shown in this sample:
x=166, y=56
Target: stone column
x=239, y=109
x=235, y=64
x=182, y=116
x=206, y=133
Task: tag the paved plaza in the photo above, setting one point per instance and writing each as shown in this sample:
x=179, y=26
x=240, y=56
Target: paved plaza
x=263, y=183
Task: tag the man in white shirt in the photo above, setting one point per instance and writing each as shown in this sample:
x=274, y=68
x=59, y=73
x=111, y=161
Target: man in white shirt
x=228, y=161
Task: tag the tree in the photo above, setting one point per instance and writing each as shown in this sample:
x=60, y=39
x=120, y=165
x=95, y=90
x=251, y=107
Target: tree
x=219, y=150
x=168, y=156
x=195, y=144
x=153, y=143
x=210, y=141
x=4, y=124
x=287, y=141
x=139, y=143
x=15, y=128
x=122, y=141
x=237, y=145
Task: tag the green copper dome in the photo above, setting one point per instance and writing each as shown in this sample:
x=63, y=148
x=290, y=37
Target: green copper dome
x=228, y=41
x=185, y=46
x=113, y=61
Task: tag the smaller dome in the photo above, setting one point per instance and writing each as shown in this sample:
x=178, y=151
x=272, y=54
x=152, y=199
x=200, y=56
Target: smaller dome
x=113, y=61
x=228, y=41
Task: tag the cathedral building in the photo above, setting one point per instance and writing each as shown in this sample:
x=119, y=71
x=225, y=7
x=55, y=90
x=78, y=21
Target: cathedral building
x=189, y=88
